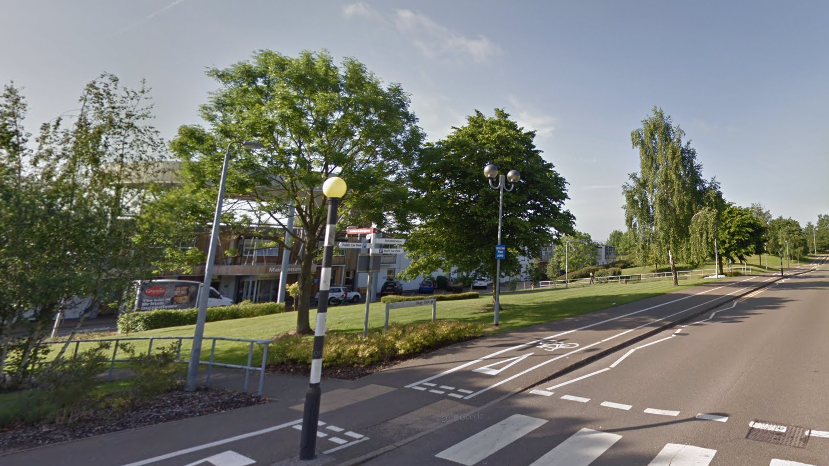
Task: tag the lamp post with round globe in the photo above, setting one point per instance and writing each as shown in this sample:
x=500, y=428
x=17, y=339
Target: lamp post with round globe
x=334, y=189
x=491, y=172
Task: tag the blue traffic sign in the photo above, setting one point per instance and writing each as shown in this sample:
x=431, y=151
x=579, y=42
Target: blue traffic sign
x=500, y=251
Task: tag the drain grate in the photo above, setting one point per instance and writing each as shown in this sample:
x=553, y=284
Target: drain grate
x=791, y=436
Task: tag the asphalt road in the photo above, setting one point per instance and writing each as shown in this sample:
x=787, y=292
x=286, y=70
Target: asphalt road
x=689, y=395
x=759, y=360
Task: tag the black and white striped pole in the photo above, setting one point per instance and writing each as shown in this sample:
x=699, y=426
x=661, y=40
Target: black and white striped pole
x=334, y=189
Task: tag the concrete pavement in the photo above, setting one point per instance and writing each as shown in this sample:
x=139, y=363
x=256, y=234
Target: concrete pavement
x=380, y=413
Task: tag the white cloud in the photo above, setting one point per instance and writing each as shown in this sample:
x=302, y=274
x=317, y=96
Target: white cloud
x=541, y=123
x=433, y=40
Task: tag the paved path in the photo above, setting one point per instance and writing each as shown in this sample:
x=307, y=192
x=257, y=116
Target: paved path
x=416, y=400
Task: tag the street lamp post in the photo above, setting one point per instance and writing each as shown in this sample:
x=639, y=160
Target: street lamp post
x=814, y=238
x=334, y=189
x=566, y=264
x=204, y=292
x=788, y=258
x=491, y=172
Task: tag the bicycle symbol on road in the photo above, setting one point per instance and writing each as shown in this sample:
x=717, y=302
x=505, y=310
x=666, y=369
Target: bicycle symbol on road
x=553, y=345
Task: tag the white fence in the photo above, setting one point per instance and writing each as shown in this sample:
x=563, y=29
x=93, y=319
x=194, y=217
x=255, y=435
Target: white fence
x=638, y=277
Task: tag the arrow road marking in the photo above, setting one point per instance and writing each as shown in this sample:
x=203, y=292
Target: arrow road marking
x=228, y=458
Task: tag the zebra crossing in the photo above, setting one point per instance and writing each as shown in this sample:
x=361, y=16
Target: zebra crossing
x=580, y=449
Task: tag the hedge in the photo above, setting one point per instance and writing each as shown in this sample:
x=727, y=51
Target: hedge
x=137, y=321
x=438, y=297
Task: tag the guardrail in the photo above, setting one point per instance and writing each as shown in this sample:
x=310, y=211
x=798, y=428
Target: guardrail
x=209, y=363
x=638, y=277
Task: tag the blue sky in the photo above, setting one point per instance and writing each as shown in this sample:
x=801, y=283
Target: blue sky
x=746, y=80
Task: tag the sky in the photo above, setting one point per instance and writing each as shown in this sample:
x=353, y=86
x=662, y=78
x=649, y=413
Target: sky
x=746, y=80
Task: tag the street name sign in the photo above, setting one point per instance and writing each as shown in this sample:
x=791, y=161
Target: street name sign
x=360, y=231
x=388, y=241
x=388, y=251
x=351, y=245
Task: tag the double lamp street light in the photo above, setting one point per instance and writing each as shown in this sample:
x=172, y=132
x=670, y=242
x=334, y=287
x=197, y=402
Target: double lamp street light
x=491, y=172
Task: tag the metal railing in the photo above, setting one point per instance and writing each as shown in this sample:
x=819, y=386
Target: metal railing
x=211, y=363
x=638, y=277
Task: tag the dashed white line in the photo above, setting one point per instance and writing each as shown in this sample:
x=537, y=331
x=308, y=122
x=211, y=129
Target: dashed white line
x=712, y=417
x=439, y=392
x=455, y=395
x=335, y=428
x=818, y=433
x=420, y=388
x=428, y=384
x=662, y=412
x=353, y=434
x=338, y=440
x=575, y=398
x=609, y=404
x=447, y=388
x=541, y=392
x=464, y=391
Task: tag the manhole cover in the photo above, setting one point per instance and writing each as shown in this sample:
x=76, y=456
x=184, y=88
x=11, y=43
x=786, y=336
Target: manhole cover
x=792, y=436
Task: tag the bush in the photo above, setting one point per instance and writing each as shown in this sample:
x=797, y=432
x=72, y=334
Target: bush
x=609, y=272
x=437, y=297
x=135, y=321
x=442, y=282
x=350, y=349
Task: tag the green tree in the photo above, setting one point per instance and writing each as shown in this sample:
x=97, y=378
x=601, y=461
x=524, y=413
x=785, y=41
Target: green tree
x=572, y=252
x=662, y=198
x=786, y=237
x=66, y=215
x=741, y=234
x=315, y=120
x=454, y=213
x=818, y=234
x=622, y=241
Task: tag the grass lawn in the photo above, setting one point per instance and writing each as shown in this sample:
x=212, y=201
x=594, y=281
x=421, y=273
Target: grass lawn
x=519, y=309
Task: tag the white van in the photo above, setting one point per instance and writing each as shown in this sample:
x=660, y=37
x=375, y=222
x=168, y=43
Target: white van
x=174, y=294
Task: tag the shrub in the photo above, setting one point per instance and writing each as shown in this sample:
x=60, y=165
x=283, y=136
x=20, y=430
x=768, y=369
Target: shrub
x=442, y=282
x=438, y=297
x=609, y=272
x=155, y=373
x=135, y=321
x=350, y=349
x=512, y=285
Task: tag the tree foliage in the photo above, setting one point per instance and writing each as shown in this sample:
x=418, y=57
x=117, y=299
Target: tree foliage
x=622, y=240
x=454, y=212
x=786, y=237
x=669, y=189
x=315, y=120
x=66, y=215
x=572, y=252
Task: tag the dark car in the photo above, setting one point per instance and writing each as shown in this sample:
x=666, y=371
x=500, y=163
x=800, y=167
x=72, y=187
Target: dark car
x=426, y=286
x=391, y=287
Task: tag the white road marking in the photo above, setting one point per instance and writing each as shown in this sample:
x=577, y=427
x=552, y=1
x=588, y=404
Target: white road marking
x=492, y=355
x=353, y=434
x=491, y=439
x=541, y=392
x=298, y=427
x=488, y=370
x=677, y=331
x=767, y=426
x=712, y=417
x=338, y=440
x=213, y=444
x=662, y=412
x=818, y=433
x=610, y=404
x=464, y=391
x=321, y=434
x=587, y=346
x=345, y=445
x=579, y=378
x=776, y=462
x=447, y=388
x=455, y=395
x=439, y=392
x=575, y=398
x=228, y=458
x=427, y=384
x=335, y=428
x=683, y=455
x=638, y=347
x=419, y=388
x=581, y=449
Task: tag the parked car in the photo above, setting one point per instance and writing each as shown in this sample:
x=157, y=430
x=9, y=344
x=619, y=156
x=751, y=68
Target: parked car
x=335, y=295
x=391, y=287
x=426, y=286
x=481, y=283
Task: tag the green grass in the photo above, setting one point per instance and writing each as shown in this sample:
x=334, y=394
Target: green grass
x=519, y=309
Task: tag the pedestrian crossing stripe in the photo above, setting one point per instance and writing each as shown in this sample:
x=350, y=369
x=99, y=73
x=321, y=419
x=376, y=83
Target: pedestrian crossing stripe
x=580, y=449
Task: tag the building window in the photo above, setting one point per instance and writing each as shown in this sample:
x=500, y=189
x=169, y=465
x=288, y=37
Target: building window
x=257, y=247
x=389, y=274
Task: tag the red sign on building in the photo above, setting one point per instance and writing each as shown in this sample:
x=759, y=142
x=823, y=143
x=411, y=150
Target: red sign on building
x=360, y=231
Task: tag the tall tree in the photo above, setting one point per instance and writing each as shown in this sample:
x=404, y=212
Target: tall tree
x=66, y=216
x=741, y=234
x=572, y=252
x=662, y=198
x=315, y=120
x=786, y=238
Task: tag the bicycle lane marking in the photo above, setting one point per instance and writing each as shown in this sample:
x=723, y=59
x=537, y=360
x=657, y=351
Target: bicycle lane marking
x=544, y=363
x=558, y=335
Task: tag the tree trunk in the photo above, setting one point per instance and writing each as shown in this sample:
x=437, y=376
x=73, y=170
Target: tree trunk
x=719, y=266
x=306, y=280
x=673, y=268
